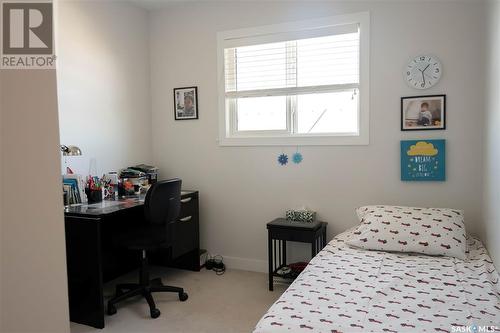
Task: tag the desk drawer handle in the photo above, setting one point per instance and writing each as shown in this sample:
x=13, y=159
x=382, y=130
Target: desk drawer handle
x=186, y=200
x=186, y=219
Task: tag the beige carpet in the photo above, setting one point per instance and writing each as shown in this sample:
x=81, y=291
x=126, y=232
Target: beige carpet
x=232, y=302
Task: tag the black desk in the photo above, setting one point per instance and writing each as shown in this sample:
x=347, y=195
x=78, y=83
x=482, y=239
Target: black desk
x=92, y=259
x=280, y=231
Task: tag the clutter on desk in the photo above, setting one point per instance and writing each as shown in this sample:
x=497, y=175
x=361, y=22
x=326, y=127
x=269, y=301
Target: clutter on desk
x=111, y=181
x=131, y=173
x=150, y=171
x=112, y=177
x=73, y=187
x=131, y=181
x=126, y=187
x=136, y=180
x=94, y=188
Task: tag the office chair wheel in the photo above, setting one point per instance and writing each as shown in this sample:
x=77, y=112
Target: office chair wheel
x=111, y=310
x=155, y=313
x=183, y=296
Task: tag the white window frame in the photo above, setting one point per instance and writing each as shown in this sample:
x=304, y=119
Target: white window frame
x=227, y=136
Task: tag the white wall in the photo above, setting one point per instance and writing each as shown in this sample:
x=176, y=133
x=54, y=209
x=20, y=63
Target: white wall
x=103, y=83
x=242, y=188
x=492, y=136
x=34, y=294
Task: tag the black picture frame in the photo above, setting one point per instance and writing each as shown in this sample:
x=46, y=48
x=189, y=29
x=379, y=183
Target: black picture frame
x=429, y=99
x=179, y=105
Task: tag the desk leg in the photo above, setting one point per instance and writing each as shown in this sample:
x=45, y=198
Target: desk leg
x=84, y=268
x=270, y=259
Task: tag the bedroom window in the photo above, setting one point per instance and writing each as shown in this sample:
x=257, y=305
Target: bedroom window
x=300, y=83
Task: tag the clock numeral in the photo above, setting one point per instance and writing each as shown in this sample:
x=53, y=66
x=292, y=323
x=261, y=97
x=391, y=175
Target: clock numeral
x=422, y=85
x=422, y=58
x=408, y=73
x=436, y=70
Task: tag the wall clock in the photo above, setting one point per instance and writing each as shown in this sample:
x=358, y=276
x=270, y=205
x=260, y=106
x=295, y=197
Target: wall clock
x=423, y=72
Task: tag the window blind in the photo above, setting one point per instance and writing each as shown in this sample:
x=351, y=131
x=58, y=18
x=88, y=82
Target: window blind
x=292, y=66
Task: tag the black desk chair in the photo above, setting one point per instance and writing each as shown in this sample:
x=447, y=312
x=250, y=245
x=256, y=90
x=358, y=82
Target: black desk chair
x=161, y=209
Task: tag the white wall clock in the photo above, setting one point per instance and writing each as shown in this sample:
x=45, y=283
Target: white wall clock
x=423, y=72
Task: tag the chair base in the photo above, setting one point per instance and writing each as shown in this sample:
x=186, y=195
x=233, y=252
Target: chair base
x=144, y=288
x=128, y=290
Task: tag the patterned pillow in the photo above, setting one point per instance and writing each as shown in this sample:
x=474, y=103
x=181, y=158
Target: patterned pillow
x=433, y=231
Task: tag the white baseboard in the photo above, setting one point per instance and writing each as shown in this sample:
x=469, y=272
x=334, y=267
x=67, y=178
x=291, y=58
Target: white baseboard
x=245, y=264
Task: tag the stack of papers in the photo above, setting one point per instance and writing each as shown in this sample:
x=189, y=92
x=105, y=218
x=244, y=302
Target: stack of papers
x=131, y=173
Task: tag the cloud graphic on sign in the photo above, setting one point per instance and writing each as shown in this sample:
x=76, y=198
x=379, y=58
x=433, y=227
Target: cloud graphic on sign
x=422, y=148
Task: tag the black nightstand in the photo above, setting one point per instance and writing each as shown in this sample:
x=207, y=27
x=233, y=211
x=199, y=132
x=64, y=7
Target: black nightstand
x=281, y=230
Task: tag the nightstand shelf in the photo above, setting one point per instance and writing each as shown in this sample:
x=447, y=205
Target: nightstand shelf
x=288, y=277
x=280, y=231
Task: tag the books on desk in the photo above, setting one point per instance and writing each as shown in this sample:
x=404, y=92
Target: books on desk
x=73, y=188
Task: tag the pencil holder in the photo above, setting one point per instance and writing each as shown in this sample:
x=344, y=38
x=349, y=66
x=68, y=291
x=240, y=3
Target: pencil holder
x=93, y=196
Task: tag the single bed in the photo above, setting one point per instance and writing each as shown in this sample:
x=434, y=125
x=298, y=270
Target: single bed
x=347, y=289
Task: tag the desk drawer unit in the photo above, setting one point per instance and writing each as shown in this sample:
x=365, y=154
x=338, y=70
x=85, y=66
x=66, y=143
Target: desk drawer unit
x=187, y=226
x=185, y=250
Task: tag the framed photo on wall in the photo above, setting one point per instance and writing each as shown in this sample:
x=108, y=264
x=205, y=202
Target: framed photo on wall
x=423, y=113
x=186, y=103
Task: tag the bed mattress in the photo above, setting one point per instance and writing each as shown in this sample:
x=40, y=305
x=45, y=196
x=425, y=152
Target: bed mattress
x=345, y=289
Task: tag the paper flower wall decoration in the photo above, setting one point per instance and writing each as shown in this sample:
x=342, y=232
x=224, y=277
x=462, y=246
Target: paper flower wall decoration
x=283, y=159
x=297, y=158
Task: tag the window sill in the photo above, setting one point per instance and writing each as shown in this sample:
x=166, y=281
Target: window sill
x=353, y=140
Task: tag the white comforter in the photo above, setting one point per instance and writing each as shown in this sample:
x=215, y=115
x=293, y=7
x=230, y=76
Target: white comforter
x=345, y=289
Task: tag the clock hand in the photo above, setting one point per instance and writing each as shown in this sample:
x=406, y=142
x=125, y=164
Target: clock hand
x=426, y=68
x=423, y=77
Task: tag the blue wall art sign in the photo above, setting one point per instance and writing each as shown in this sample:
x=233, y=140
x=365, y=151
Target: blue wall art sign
x=423, y=160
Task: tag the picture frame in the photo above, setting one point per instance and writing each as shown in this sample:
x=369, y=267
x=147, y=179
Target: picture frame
x=423, y=113
x=423, y=160
x=186, y=103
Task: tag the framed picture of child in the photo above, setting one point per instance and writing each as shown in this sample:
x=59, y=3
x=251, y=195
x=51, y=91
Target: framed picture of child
x=423, y=113
x=186, y=103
